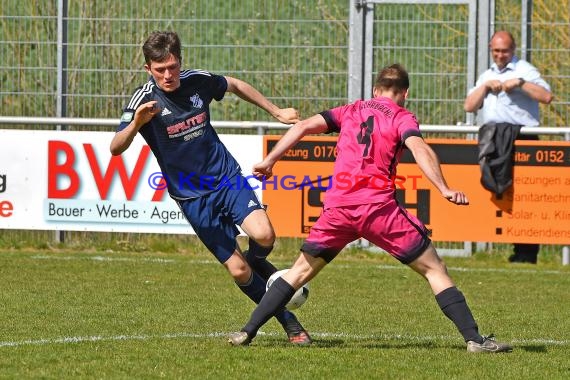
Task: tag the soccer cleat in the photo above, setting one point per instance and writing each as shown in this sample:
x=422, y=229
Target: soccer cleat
x=489, y=345
x=239, y=338
x=296, y=333
x=300, y=338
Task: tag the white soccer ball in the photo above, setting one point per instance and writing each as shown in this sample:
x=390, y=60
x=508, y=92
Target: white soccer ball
x=300, y=296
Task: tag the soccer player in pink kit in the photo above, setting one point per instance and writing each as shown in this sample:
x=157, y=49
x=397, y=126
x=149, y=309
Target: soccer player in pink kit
x=372, y=135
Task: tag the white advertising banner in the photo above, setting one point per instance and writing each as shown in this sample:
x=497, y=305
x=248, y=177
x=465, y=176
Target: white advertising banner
x=65, y=180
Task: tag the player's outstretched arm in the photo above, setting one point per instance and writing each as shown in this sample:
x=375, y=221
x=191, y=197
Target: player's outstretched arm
x=430, y=166
x=314, y=125
x=248, y=93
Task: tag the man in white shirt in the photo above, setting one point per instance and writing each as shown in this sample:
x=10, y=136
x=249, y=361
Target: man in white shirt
x=510, y=92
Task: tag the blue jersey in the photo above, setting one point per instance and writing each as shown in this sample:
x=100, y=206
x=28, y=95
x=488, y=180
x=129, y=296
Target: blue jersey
x=192, y=158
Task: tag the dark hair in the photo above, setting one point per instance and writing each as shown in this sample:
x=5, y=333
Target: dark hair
x=159, y=45
x=393, y=77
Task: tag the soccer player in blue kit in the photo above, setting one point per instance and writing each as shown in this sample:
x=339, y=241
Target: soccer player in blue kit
x=171, y=112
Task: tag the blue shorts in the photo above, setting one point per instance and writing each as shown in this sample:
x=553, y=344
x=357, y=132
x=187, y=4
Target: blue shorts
x=214, y=216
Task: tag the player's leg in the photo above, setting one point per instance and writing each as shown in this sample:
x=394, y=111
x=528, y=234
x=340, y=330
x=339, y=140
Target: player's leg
x=261, y=239
x=304, y=269
x=244, y=208
x=249, y=282
x=248, y=212
x=326, y=239
x=254, y=287
x=452, y=302
x=404, y=236
x=450, y=299
x=218, y=233
x=433, y=269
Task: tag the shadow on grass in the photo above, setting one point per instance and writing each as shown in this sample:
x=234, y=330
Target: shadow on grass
x=385, y=345
x=373, y=345
x=532, y=348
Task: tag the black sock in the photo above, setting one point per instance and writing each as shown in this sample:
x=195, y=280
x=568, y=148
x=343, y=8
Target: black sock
x=255, y=289
x=256, y=257
x=274, y=300
x=453, y=304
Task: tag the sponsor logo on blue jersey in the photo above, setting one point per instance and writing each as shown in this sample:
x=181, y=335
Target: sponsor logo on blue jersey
x=196, y=101
x=190, y=125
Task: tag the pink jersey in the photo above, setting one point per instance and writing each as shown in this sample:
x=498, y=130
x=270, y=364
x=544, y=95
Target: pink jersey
x=371, y=138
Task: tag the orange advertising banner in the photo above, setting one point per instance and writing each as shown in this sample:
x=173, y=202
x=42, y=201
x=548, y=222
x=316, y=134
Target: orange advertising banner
x=536, y=209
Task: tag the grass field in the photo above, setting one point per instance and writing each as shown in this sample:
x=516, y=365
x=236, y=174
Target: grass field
x=120, y=315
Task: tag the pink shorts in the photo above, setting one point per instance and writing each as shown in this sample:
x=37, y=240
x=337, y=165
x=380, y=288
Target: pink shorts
x=386, y=225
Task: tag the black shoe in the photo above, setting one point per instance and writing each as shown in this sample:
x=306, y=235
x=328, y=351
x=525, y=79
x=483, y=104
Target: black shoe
x=300, y=338
x=296, y=334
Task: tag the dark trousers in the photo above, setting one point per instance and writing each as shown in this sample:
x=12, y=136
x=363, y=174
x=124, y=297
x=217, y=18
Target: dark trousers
x=526, y=253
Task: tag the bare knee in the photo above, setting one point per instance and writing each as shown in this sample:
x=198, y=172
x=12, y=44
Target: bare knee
x=238, y=268
x=439, y=267
x=264, y=236
x=258, y=227
x=433, y=269
x=429, y=264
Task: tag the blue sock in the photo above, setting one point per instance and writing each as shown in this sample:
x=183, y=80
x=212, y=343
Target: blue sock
x=256, y=257
x=254, y=288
